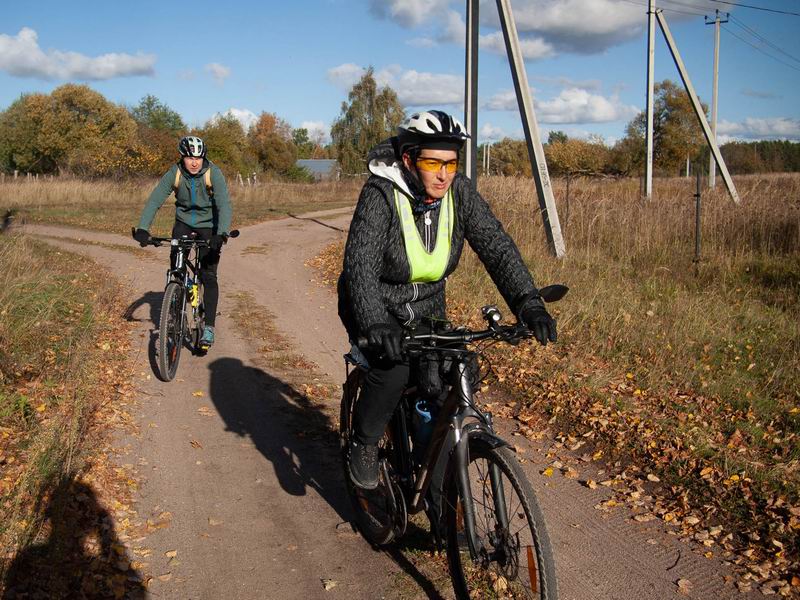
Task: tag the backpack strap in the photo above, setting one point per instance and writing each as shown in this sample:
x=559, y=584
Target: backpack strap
x=207, y=180
x=177, y=181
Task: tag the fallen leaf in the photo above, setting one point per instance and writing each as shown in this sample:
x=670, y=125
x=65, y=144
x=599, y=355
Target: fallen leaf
x=205, y=411
x=198, y=394
x=685, y=586
x=591, y=484
x=165, y=577
x=548, y=472
x=329, y=584
x=651, y=477
x=214, y=522
x=171, y=553
x=196, y=444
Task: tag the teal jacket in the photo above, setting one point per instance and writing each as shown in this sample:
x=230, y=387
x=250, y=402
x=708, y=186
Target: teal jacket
x=193, y=206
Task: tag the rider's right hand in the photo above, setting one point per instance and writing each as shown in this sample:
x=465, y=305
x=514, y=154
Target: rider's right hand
x=386, y=337
x=142, y=236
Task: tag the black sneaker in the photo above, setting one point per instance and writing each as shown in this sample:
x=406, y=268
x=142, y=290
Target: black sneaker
x=363, y=465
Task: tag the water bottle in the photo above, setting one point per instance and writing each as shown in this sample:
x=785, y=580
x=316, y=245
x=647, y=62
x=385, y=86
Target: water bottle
x=424, y=418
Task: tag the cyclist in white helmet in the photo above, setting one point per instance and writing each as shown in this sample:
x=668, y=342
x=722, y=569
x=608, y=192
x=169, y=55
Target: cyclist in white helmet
x=406, y=237
x=202, y=205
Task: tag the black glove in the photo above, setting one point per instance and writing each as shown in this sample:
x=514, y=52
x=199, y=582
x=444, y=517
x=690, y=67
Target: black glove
x=142, y=236
x=388, y=338
x=216, y=241
x=539, y=321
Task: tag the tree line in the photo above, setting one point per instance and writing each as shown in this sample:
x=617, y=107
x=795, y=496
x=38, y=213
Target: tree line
x=76, y=130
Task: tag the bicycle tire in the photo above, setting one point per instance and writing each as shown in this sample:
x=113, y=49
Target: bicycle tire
x=170, y=331
x=374, y=516
x=519, y=562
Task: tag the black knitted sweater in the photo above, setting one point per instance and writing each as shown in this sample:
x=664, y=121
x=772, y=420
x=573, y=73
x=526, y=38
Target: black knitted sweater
x=373, y=287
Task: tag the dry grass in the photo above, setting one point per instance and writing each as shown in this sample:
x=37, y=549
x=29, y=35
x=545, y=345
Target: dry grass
x=57, y=327
x=110, y=205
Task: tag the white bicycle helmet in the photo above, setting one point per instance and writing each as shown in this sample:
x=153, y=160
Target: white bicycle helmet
x=431, y=129
x=192, y=146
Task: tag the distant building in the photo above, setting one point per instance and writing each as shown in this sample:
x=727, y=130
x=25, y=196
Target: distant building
x=323, y=169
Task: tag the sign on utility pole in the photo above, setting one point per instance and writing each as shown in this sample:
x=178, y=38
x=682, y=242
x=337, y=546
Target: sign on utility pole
x=712, y=164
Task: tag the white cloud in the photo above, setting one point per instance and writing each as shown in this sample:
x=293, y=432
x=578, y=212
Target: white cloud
x=592, y=85
x=408, y=13
x=422, y=42
x=244, y=116
x=21, y=56
x=533, y=48
x=346, y=75
x=572, y=105
x=491, y=133
x=413, y=88
x=783, y=128
x=219, y=72
x=318, y=131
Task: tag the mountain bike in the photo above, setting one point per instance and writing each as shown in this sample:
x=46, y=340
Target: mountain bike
x=182, y=310
x=497, y=542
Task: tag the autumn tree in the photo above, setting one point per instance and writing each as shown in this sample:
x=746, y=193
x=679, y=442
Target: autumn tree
x=510, y=157
x=73, y=129
x=369, y=116
x=676, y=131
x=270, y=137
x=159, y=128
x=575, y=158
x=227, y=145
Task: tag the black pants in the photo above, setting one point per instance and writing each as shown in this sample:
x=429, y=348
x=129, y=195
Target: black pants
x=209, y=259
x=383, y=385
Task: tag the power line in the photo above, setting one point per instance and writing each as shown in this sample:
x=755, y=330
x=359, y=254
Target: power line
x=772, y=56
x=761, y=38
x=772, y=10
x=668, y=9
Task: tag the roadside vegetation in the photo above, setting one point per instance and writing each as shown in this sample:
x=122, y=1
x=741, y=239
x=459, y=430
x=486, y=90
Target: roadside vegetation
x=682, y=376
x=115, y=206
x=63, y=347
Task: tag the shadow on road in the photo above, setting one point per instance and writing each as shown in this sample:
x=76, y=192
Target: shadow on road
x=298, y=438
x=153, y=300
x=81, y=557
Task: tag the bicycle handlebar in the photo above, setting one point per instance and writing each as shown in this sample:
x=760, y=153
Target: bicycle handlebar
x=184, y=241
x=416, y=342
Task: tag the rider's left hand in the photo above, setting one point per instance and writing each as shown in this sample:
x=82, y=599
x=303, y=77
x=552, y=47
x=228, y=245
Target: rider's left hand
x=216, y=241
x=538, y=320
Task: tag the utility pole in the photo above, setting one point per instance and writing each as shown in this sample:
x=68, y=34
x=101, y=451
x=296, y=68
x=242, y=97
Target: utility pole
x=533, y=139
x=471, y=92
x=712, y=165
x=651, y=63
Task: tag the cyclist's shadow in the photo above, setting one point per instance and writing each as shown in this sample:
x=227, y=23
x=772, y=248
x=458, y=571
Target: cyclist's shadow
x=153, y=301
x=82, y=557
x=294, y=433
x=288, y=428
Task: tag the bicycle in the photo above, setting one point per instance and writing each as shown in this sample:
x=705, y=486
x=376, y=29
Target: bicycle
x=497, y=542
x=182, y=311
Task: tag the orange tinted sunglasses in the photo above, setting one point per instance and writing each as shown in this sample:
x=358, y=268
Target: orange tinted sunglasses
x=434, y=165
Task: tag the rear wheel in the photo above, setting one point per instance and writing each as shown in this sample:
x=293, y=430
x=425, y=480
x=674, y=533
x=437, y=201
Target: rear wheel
x=377, y=511
x=171, y=331
x=514, y=558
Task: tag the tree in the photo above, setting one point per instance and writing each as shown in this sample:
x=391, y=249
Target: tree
x=575, y=158
x=227, y=144
x=369, y=116
x=510, y=157
x=74, y=129
x=152, y=113
x=676, y=132
x=556, y=136
x=271, y=140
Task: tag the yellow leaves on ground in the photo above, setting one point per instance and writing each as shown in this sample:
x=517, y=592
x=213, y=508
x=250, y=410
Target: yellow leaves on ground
x=198, y=394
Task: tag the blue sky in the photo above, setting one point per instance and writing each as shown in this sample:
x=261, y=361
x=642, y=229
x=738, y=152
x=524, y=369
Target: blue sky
x=585, y=58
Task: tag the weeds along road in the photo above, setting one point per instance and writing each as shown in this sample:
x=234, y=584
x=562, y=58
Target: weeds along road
x=239, y=464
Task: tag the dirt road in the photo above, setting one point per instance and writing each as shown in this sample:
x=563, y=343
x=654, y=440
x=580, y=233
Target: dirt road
x=250, y=477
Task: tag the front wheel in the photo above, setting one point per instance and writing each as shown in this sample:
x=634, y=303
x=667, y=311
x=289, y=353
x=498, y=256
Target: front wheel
x=170, y=331
x=513, y=558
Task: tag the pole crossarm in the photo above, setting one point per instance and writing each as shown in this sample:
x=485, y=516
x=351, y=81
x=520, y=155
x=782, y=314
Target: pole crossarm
x=544, y=189
x=698, y=108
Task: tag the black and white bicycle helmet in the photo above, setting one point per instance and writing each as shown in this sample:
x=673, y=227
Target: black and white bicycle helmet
x=192, y=146
x=433, y=129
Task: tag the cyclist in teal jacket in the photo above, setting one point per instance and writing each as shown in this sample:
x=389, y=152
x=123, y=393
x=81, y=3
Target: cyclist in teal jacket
x=202, y=206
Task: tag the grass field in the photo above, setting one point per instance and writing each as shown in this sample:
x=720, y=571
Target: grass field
x=116, y=205
x=683, y=377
